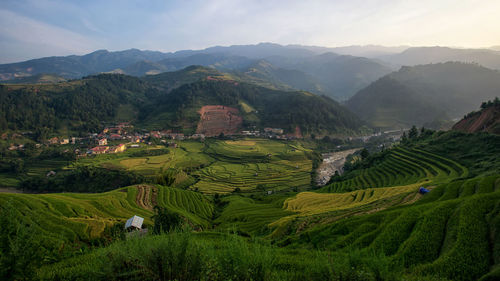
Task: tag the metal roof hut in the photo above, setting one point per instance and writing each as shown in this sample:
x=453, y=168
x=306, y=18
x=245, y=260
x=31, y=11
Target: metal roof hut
x=134, y=222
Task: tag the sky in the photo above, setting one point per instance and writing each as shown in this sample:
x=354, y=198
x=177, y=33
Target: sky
x=38, y=28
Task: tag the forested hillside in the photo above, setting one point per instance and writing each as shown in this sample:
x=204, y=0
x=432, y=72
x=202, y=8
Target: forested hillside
x=425, y=94
x=312, y=113
x=79, y=105
x=165, y=101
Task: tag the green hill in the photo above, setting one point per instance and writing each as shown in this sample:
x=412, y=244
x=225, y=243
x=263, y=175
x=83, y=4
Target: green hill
x=424, y=94
x=165, y=101
x=37, y=79
x=78, y=105
x=273, y=108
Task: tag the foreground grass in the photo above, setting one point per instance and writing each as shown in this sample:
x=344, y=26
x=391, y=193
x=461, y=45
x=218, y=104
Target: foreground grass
x=214, y=256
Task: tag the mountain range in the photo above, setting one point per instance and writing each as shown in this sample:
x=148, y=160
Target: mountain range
x=425, y=95
x=336, y=72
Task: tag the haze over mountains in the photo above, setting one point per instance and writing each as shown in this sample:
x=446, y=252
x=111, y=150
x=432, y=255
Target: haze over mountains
x=429, y=90
x=425, y=94
x=336, y=72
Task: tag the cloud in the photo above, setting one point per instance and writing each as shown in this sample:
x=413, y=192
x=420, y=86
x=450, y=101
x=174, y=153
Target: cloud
x=48, y=39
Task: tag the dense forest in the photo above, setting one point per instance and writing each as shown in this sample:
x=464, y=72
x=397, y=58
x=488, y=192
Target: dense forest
x=272, y=108
x=80, y=105
x=83, y=105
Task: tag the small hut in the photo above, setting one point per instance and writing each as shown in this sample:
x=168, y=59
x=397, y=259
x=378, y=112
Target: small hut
x=134, y=222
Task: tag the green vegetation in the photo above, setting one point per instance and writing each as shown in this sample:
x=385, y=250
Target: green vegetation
x=447, y=233
x=275, y=108
x=399, y=166
x=81, y=106
x=212, y=256
x=425, y=94
x=234, y=210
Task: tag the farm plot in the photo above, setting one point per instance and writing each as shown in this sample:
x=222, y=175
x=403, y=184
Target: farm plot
x=83, y=216
x=448, y=233
x=194, y=206
x=312, y=203
x=401, y=167
x=73, y=216
x=249, y=215
x=251, y=164
x=278, y=175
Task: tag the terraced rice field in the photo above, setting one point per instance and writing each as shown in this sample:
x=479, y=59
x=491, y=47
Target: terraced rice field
x=402, y=167
x=247, y=163
x=84, y=216
x=278, y=175
x=194, y=206
x=452, y=232
x=312, y=203
x=73, y=216
x=216, y=166
x=177, y=158
x=250, y=216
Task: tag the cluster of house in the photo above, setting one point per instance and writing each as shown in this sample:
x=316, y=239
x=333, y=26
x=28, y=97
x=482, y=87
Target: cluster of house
x=273, y=133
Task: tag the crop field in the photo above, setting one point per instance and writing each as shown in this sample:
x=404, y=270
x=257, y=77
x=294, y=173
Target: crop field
x=402, y=167
x=249, y=215
x=8, y=180
x=188, y=156
x=83, y=216
x=309, y=203
x=249, y=163
x=221, y=166
x=226, y=177
x=448, y=233
x=194, y=206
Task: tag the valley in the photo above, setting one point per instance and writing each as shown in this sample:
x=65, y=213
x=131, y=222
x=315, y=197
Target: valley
x=251, y=162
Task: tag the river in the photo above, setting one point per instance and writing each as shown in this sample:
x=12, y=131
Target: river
x=332, y=162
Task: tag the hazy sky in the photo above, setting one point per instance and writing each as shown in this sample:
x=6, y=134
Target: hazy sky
x=36, y=28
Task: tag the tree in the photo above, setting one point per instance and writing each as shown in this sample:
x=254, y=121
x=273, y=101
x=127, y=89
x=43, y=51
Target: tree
x=404, y=138
x=165, y=221
x=364, y=154
x=413, y=133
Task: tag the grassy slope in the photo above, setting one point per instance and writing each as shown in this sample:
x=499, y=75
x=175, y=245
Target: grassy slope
x=82, y=216
x=247, y=163
x=452, y=232
x=402, y=166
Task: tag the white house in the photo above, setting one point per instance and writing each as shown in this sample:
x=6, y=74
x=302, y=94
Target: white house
x=135, y=222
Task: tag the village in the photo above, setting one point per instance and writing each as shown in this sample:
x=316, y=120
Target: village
x=118, y=137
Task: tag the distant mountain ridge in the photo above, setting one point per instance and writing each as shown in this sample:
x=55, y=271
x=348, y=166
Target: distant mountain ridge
x=77, y=66
x=425, y=94
x=337, y=72
x=426, y=55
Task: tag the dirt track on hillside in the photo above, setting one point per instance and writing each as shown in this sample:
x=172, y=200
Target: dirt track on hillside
x=147, y=197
